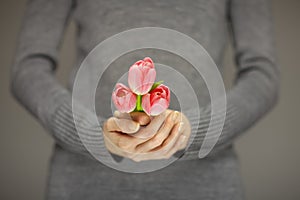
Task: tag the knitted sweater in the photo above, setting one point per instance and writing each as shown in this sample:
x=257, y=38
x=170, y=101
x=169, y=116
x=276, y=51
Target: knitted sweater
x=74, y=174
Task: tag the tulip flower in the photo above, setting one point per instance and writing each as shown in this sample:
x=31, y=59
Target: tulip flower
x=123, y=98
x=141, y=76
x=156, y=101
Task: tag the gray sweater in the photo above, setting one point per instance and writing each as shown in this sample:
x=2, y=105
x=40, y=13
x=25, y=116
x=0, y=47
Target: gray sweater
x=73, y=173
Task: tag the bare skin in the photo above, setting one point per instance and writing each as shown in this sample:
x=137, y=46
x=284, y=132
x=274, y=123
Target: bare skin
x=139, y=137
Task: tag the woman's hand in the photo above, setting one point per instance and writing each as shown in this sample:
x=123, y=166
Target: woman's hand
x=159, y=139
x=119, y=143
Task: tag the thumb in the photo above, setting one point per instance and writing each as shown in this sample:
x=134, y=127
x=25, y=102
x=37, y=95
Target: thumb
x=122, y=125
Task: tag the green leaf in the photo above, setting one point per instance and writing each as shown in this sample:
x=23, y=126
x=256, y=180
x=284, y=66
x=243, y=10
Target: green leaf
x=156, y=84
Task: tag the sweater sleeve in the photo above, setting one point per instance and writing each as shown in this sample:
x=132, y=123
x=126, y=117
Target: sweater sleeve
x=255, y=91
x=33, y=81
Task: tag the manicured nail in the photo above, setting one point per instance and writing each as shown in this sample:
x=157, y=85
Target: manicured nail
x=134, y=126
x=116, y=113
x=180, y=126
x=182, y=139
x=175, y=115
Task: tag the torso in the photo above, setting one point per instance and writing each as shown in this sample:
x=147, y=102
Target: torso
x=216, y=178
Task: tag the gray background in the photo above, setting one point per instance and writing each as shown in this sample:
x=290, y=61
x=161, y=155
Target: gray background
x=269, y=152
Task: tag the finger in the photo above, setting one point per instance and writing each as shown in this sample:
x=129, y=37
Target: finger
x=161, y=135
x=161, y=151
x=120, y=115
x=187, y=133
x=176, y=146
x=112, y=147
x=118, y=142
x=152, y=155
x=111, y=136
x=122, y=125
x=184, y=144
x=151, y=129
x=171, y=140
x=121, y=141
x=170, y=146
x=145, y=156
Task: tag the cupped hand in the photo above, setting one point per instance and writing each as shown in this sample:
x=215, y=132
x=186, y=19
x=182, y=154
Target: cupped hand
x=139, y=137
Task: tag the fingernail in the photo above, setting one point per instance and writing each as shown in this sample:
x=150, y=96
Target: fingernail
x=175, y=115
x=134, y=126
x=182, y=138
x=180, y=126
x=116, y=113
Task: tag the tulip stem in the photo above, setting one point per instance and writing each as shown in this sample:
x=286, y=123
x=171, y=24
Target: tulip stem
x=139, y=103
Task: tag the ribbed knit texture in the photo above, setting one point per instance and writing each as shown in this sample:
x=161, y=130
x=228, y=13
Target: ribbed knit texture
x=254, y=93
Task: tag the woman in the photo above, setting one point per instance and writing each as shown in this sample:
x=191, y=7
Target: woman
x=73, y=173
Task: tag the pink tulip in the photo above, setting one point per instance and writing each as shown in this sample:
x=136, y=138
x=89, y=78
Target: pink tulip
x=141, y=76
x=156, y=101
x=123, y=98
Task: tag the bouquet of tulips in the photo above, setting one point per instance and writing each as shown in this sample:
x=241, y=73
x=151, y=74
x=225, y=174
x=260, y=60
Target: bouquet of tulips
x=143, y=94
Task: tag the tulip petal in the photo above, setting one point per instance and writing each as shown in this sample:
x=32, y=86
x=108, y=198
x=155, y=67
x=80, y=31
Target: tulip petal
x=149, y=79
x=149, y=62
x=135, y=78
x=159, y=107
x=123, y=98
x=132, y=102
x=121, y=85
x=146, y=103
